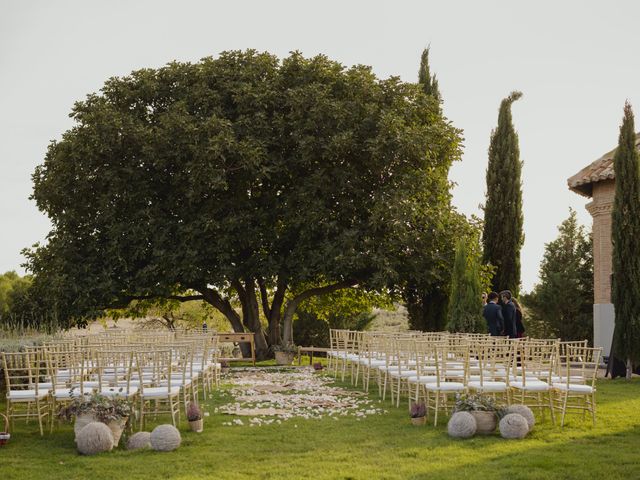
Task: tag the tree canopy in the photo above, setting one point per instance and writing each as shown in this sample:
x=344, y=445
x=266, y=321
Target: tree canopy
x=240, y=178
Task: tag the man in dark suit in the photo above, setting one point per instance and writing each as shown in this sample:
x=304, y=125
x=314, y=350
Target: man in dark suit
x=509, y=314
x=492, y=312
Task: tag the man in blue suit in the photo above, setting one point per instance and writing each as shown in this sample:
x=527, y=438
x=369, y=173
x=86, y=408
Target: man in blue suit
x=492, y=312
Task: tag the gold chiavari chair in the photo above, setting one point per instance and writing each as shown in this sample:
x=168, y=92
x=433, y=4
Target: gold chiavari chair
x=443, y=391
x=534, y=363
x=157, y=394
x=581, y=362
x=24, y=372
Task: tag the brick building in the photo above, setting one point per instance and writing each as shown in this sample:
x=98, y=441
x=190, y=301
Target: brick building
x=597, y=181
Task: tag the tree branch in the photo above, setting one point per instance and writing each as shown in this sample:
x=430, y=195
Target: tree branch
x=180, y=298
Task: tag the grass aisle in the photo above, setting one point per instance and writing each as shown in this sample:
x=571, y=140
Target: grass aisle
x=383, y=446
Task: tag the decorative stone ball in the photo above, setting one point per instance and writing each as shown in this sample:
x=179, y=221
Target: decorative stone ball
x=94, y=438
x=462, y=425
x=525, y=412
x=514, y=425
x=139, y=440
x=165, y=438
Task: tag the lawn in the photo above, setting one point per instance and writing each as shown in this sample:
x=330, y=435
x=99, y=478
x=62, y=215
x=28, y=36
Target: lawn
x=381, y=447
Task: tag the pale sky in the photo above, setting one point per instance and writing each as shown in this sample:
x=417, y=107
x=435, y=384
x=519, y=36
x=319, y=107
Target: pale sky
x=575, y=61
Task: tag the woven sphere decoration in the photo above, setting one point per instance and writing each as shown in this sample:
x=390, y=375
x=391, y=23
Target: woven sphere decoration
x=165, y=438
x=525, y=412
x=462, y=425
x=514, y=425
x=139, y=440
x=94, y=438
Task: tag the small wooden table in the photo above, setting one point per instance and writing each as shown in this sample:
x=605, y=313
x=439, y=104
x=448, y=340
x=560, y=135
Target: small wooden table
x=238, y=338
x=310, y=350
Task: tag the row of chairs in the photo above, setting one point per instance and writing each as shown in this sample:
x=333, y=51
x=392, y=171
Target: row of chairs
x=155, y=373
x=547, y=374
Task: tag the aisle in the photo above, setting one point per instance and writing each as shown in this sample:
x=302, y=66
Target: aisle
x=262, y=396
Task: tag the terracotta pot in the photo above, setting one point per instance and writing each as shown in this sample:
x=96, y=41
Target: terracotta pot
x=284, y=358
x=116, y=426
x=196, y=425
x=486, y=422
x=419, y=420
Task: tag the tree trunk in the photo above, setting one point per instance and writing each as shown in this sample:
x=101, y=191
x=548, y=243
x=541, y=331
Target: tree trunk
x=224, y=306
x=273, y=313
x=252, y=319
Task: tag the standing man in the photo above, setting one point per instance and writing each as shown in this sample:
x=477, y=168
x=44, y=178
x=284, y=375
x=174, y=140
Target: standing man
x=492, y=312
x=509, y=314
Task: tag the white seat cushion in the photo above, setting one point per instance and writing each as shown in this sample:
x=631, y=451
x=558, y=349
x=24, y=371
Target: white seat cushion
x=403, y=373
x=160, y=392
x=445, y=386
x=531, y=385
x=488, y=386
x=573, y=388
x=422, y=379
x=116, y=392
x=26, y=395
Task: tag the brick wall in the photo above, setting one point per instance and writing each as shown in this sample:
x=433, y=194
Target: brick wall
x=600, y=209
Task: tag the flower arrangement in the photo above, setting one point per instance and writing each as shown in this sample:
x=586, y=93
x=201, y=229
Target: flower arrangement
x=104, y=409
x=484, y=409
x=477, y=403
x=194, y=416
x=193, y=412
x=418, y=410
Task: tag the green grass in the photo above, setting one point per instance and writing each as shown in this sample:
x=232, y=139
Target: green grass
x=382, y=447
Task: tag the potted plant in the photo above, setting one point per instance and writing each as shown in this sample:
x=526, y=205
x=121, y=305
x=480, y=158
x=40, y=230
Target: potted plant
x=418, y=413
x=5, y=435
x=285, y=353
x=112, y=411
x=483, y=408
x=194, y=416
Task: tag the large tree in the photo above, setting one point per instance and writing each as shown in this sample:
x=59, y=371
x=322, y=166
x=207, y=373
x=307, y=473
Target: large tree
x=561, y=304
x=240, y=179
x=503, y=219
x=626, y=248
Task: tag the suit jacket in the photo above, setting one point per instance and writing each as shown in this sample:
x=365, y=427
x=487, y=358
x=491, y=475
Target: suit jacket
x=509, y=315
x=493, y=314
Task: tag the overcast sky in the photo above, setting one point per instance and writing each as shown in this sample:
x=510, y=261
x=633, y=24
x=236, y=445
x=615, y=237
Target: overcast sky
x=575, y=61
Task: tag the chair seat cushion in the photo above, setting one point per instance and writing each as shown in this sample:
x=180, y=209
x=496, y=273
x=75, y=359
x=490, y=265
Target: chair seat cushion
x=116, y=392
x=403, y=373
x=531, y=385
x=160, y=392
x=445, y=386
x=422, y=379
x=573, y=388
x=488, y=386
x=26, y=395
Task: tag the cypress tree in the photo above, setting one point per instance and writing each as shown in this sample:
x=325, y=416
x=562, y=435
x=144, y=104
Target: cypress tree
x=503, y=219
x=427, y=304
x=465, y=304
x=428, y=82
x=626, y=247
